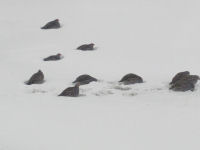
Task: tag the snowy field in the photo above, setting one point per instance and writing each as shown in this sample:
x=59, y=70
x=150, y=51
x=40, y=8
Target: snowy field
x=152, y=38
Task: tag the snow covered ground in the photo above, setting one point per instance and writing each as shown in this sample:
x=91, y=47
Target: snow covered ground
x=152, y=38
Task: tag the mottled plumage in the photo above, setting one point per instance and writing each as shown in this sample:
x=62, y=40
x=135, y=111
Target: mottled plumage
x=186, y=83
x=131, y=79
x=71, y=91
x=36, y=78
x=179, y=76
x=182, y=86
x=52, y=25
x=84, y=79
x=86, y=47
x=53, y=57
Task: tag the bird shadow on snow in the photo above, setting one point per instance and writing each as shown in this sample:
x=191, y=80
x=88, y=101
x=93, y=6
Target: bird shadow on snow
x=67, y=97
x=26, y=82
x=95, y=48
x=34, y=89
x=61, y=26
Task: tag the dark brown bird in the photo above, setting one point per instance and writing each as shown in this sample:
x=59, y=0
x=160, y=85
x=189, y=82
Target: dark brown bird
x=182, y=86
x=131, y=79
x=186, y=83
x=84, y=79
x=52, y=25
x=71, y=91
x=86, y=47
x=179, y=76
x=192, y=78
x=36, y=78
x=53, y=57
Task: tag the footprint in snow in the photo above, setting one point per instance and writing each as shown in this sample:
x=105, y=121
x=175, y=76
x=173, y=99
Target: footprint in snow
x=121, y=88
x=103, y=93
x=38, y=91
x=130, y=94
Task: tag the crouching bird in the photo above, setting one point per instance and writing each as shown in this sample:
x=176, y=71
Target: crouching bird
x=71, y=91
x=131, y=79
x=36, y=78
x=85, y=79
x=86, y=47
x=53, y=57
x=52, y=25
x=186, y=83
x=179, y=76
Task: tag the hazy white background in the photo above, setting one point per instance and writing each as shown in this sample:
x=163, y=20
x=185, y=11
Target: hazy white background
x=152, y=38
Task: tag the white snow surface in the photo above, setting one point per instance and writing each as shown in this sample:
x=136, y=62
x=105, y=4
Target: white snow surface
x=152, y=38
